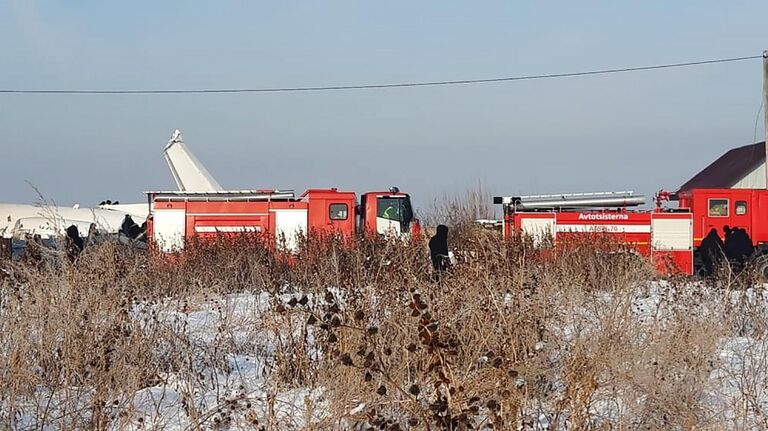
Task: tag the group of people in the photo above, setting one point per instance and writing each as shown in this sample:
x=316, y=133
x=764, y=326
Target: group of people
x=735, y=248
x=74, y=242
x=34, y=246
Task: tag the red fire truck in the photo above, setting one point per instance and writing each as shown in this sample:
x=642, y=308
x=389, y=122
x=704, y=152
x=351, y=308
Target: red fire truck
x=177, y=216
x=666, y=236
x=663, y=233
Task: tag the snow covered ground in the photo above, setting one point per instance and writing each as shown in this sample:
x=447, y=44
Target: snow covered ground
x=235, y=393
x=235, y=390
x=231, y=392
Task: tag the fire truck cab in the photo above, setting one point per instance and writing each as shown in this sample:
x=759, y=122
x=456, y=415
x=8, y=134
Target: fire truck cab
x=717, y=208
x=278, y=215
x=387, y=213
x=663, y=236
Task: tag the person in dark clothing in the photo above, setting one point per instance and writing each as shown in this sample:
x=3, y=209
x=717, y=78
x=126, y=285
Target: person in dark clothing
x=729, y=246
x=92, y=237
x=711, y=250
x=743, y=247
x=727, y=231
x=129, y=228
x=438, y=249
x=74, y=244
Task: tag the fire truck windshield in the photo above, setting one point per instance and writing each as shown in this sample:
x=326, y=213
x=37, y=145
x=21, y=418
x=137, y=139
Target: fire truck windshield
x=396, y=208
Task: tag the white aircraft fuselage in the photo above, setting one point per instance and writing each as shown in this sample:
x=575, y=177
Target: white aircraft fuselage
x=17, y=220
x=46, y=221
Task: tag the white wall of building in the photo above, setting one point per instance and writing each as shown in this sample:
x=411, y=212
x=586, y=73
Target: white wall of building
x=753, y=180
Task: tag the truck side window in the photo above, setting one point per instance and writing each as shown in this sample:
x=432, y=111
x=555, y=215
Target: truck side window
x=718, y=207
x=338, y=211
x=741, y=207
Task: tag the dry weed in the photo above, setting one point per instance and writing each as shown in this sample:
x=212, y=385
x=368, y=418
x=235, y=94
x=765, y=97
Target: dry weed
x=364, y=338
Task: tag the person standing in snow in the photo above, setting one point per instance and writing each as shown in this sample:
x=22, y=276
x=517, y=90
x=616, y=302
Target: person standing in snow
x=711, y=250
x=744, y=248
x=728, y=244
x=438, y=250
x=74, y=244
x=129, y=227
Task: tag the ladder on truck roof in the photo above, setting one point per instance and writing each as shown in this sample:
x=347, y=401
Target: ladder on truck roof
x=571, y=200
x=222, y=196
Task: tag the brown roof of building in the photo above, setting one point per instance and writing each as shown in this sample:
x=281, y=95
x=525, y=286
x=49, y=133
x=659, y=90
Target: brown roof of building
x=729, y=169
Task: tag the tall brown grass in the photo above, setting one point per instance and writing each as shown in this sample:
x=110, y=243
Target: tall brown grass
x=507, y=339
x=460, y=210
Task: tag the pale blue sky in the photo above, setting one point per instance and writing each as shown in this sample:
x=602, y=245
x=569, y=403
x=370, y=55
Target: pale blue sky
x=642, y=131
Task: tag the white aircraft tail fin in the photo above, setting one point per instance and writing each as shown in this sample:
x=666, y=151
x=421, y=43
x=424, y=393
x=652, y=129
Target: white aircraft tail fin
x=187, y=171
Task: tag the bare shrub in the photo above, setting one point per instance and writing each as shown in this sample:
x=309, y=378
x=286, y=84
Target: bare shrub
x=460, y=210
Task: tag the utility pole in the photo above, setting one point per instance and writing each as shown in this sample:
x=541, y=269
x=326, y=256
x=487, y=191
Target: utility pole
x=765, y=111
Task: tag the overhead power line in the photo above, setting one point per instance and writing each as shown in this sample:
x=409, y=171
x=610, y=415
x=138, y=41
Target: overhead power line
x=391, y=85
